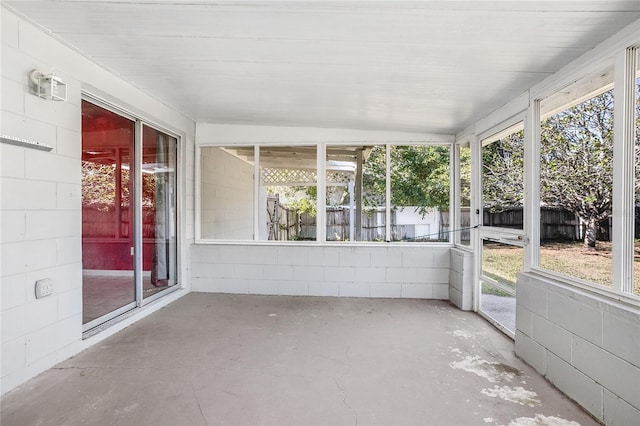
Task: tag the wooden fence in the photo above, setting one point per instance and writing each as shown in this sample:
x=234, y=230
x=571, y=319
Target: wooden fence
x=556, y=224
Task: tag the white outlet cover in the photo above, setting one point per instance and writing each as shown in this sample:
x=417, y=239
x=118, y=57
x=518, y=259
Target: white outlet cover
x=44, y=287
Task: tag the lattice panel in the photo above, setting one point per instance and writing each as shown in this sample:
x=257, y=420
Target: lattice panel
x=338, y=177
x=284, y=177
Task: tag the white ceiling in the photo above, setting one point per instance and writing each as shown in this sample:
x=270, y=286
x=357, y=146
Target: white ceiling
x=430, y=66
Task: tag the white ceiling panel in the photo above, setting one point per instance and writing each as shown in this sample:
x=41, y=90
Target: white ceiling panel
x=430, y=66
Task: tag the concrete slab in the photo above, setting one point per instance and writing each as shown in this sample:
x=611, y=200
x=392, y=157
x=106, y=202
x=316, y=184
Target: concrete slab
x=211, y=359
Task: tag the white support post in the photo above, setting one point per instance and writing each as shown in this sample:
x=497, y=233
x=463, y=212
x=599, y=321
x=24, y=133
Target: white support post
x=351, y=212
x=388, y=194
x=258, y=210
x=476, y=216
x=624, y=171
x=455, y=186
x=532, y=185
x=454, y=210
x=358, y=195
x=321, y=206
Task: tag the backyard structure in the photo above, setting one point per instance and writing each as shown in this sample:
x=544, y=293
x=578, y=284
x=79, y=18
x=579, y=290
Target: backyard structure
x=250, y=80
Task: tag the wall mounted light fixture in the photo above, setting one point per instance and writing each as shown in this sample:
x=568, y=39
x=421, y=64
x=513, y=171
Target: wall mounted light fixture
x=48, y=86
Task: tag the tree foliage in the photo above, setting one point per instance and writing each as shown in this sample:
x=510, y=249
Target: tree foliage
x=419, y=177
x=465, y=176
x=503, y=173
x=576, y=164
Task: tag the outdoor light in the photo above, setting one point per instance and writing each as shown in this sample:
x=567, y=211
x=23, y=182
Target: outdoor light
x=48, y=86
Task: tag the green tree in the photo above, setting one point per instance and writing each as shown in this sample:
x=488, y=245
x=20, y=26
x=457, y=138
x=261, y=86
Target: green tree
x=419, y=177
x=576, y=170
x=503, y=173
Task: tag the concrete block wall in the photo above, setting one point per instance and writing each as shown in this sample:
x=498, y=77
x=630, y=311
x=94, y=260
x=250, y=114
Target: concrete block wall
x=226, y=196
x=586, y=345
x=461, y=279
x=398, y=271
x=41, y=224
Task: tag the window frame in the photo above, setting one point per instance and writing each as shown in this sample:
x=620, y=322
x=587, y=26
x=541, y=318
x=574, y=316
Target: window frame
x=140, y=121
x=622, y=62
x=321, y=194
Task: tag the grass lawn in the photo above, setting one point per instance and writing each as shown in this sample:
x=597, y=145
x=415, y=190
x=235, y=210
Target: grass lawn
x=503, y=262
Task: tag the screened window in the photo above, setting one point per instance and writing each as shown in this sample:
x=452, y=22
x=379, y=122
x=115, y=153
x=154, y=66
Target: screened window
x=503, y=179
x=356, y=193
x=463, y=231
x=288, y=198
x=576, y=180
x=226, y=185
x=369, y=195
x=420, y=188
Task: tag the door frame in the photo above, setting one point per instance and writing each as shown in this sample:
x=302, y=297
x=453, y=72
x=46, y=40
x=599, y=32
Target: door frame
x=509, y=236
x=103, y=321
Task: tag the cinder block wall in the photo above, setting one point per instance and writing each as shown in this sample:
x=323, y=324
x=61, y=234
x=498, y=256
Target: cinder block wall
x=586, y=345
x=356, y=271
x=41, y=216
x=461, y=279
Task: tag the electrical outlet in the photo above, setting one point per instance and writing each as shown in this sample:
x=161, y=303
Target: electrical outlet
x=44, y=287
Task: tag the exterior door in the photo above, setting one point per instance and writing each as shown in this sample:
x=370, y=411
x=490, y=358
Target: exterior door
x=129, y=215
x=502, y=232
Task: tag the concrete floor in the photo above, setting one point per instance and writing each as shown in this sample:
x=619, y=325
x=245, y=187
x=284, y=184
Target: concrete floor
x=102, y=294
x=269, y=360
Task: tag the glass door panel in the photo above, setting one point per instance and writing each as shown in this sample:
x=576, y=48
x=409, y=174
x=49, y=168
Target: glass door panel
x=501, y=263
x=108, y=270
x=502, y=234
x=159, y=254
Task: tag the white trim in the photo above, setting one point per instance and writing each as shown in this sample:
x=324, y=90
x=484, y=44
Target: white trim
x=624, y=171
x=476, y=218
x=586, y=287
x=321, y=192
x=455, y=180
x=387, y=188
x=505, y=114
x=453, y=213
x=308, y=243
x=197, y=193
x=513, y=124
x=236, y=134
x=256, y=191
x=531, y=207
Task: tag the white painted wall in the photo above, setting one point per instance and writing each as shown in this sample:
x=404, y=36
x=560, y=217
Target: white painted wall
x=399, y=271
x=41, y=197
x=587, y=346
x=226, y=196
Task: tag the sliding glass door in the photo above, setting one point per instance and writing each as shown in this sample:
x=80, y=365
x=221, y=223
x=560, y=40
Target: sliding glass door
x=129, y=217
x=159, y=252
